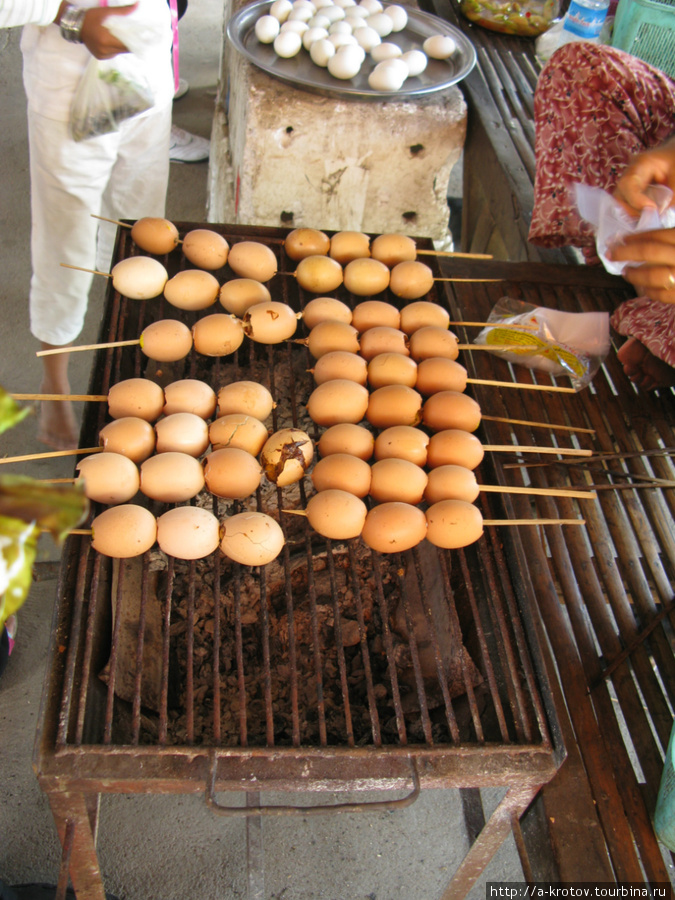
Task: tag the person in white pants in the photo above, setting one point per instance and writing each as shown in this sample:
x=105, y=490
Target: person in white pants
x=119, y=175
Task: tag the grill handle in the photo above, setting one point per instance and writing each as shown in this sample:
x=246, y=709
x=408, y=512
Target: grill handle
x=283, y=810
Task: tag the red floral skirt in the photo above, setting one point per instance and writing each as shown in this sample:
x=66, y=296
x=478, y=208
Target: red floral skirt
x=595, y=107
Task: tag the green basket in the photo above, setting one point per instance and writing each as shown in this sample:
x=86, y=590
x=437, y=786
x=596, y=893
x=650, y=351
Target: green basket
x=646, y=29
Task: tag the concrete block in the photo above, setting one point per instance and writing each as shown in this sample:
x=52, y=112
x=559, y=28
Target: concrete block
x=285, y=156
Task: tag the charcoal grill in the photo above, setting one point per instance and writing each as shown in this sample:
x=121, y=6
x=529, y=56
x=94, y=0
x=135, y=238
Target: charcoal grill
x=333, y=669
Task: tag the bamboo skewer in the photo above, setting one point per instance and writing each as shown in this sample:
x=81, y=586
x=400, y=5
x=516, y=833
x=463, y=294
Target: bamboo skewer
x=525, y=387
x=76, y=451
x=84, y=397
x=514, y=448
x=301, y=512
x=134, y=342
x=572, y=428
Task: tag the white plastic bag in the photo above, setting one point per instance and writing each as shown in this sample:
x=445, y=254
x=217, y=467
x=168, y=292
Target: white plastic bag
x=109, y=92
x=116, y=89
x=612, y=223
x=573, y=344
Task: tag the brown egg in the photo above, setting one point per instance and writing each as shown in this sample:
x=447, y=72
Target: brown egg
x=394, y=404
x=393, y=527
x=154, y=235
x=183, y=432
x=286, y=456
x=340, y=364
x=453, y=524
x=450, y=409
x=240, y=293
x=346, y=437
x=172, y=477
x=251, y=259
x=136, y=397
x=232, y=473
x=410, y=280
x=238, y=430
x=336, y=401
x=397, y=479
x=369, y=313
x=342, y=472
x=167, y=340
x=130, y=436
x=321, y=309
x=192, y=289
x=188, y=532
x=451, y=483
x=124, y=531
x=454, y=447
x=433, y=341
x=318, y=274
x=348, y=245
x=190, y=395
x=393, y=248
x=109, y=478
x=206, y=249
x=217, y=335
x=402, y=442
x=365, y=277
x=329, y=336
x=337, y=515
x=247, y=397
x=422, y=313
x=270, y=323
x=391, y=368
x=438, y=373
x=252, y=538
x=302, y=242
x=139, y=277
x=382, y=339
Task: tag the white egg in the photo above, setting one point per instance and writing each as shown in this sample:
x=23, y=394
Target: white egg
x=371, y=6
x=304, y=4
x=319, y=21
x=313, y=34
x=341, y=27
x=367, y=38
x=416, y=61
x=294, y=26
x=387, y=77
x=355, y=21
x=342, y=40
x=398, y=16
x=381, y=23
x=439, y=46
x=287, y=44
x=385, y=50
x=345, y=3
x=334, y=13
x=300, y=14
x=320, y=4
x=345, y=64
x=321, y=51
x=280, y=9
x=266, y=29
x=355, y=12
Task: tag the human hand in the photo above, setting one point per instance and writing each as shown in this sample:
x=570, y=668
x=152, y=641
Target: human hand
x=654, y=254
x=651, y=167
x=95, y=36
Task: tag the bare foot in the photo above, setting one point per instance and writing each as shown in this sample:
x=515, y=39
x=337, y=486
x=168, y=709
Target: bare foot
x=57, y=426
x=643, y=368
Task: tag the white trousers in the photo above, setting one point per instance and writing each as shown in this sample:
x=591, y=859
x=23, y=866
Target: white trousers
x=119, y=175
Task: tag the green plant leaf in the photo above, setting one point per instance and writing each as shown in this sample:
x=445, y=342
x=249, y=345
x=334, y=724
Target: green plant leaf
x=18, y=546
x=11, y=412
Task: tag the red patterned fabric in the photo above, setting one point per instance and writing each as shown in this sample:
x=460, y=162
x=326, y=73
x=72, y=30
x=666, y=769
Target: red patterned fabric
x=595, y=107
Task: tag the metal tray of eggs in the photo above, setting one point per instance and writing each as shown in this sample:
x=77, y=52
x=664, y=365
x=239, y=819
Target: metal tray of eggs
x=309, y=68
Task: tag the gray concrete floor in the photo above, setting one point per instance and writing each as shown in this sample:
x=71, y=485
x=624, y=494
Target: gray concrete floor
x=158, y=847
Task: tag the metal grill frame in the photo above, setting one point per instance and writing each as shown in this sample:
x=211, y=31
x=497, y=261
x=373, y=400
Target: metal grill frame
x=76, y=757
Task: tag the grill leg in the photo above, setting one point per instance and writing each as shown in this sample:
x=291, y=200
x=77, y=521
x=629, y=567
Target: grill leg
x=497, y=827
x=74, y=816
x=255, y=850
